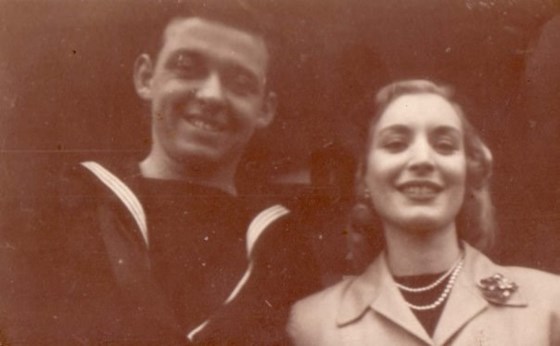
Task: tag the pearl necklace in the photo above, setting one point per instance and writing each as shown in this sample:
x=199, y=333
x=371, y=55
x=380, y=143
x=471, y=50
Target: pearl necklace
x=433, y=284
x=443, y=296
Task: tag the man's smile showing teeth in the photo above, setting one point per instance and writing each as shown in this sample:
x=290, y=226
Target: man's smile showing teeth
x=205, y=125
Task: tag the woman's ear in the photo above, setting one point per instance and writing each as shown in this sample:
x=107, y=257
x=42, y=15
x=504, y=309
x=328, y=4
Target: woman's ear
x=143, y=74
x=479, y=166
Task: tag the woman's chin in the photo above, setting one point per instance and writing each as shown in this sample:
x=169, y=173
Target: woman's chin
x=425, y=225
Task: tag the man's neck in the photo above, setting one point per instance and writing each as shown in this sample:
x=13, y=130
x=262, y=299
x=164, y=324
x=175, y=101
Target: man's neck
x=223, y=179
x=416, y=253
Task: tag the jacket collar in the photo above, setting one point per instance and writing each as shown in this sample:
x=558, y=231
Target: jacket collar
x=375, y=289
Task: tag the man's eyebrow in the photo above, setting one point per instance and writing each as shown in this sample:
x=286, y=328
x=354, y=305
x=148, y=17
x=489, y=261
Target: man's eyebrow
x=240, y=69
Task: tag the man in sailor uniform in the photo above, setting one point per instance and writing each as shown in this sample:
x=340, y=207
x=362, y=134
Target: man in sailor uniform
x=166, y=250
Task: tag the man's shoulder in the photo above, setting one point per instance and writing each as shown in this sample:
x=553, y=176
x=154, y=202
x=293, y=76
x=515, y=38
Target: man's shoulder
x=60, y=193
x=92, y=178
x=274, y=226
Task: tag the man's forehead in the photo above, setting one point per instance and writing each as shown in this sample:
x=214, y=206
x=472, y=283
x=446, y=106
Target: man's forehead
x=207, y=33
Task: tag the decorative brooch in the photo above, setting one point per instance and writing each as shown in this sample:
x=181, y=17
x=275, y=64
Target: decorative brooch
x=497, y=289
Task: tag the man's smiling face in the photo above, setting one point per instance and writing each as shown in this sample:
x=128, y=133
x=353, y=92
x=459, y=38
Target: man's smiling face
x=208, y=92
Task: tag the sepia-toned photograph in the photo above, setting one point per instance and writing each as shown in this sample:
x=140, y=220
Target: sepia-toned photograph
x=280, y=172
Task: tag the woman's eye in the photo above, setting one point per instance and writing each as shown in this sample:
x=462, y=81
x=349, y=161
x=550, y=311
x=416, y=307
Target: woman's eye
x=395, y=145
x=445, y=146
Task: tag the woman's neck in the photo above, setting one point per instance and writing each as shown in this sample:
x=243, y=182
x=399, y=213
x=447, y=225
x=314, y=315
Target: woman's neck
x=416, y=253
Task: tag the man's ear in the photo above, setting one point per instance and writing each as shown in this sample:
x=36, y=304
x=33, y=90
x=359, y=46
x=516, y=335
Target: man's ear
x=143, y=73
x=268, y=111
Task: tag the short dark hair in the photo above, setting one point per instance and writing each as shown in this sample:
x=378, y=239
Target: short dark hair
x=475, y=222
x=239, y=14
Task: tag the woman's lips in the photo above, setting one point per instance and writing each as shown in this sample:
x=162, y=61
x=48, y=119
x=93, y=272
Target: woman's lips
x=420, y=190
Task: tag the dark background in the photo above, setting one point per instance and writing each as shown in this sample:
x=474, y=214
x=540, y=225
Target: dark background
x=66, y=90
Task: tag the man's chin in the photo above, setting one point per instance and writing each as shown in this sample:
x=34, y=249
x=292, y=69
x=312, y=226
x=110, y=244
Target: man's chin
x=198, y=159
x=203, y=159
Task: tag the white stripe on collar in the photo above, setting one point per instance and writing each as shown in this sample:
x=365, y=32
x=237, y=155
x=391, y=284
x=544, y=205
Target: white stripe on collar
x=123, y=192
x=257, y=227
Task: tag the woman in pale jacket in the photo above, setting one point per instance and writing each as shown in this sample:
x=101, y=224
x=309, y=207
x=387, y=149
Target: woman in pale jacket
x=426, y=175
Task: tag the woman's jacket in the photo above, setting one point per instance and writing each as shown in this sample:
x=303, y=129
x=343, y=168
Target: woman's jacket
x=370, y=310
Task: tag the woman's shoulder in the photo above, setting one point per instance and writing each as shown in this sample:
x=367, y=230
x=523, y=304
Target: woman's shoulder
x=312, y=318
x=532, y=273
x=535, y=282
x=327, y=299
x=521, y=286
x=531, y=282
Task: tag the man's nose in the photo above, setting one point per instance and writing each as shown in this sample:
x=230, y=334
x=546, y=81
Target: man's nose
x=421, y=156
x=211, y=90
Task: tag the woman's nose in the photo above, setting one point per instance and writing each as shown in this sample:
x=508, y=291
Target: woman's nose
x=421, y=157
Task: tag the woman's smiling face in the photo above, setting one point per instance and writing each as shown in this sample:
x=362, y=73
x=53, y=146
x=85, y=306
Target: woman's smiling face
x=416, y=166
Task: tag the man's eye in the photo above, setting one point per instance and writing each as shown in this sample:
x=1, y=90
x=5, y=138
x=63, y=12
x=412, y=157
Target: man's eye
x=243, y=84
x=188, y=66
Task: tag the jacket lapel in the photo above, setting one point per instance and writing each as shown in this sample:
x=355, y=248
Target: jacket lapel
x=376, y=289
x=465, y=302
x=391, y=304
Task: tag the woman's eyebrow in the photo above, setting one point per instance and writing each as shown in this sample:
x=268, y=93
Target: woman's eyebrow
x=444, y=130
x=399, y=129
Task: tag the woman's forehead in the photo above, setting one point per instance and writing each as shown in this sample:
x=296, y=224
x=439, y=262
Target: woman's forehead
x=420, y=109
